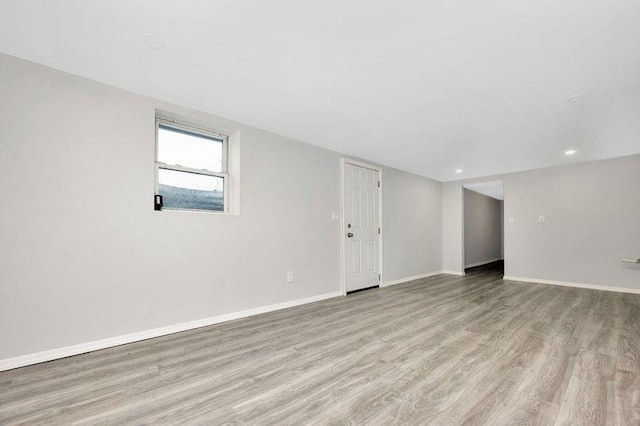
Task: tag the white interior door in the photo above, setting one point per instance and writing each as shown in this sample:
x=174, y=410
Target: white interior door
x=361, y=223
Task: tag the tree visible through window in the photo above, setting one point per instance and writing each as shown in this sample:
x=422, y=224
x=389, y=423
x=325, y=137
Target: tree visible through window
x=191, y=167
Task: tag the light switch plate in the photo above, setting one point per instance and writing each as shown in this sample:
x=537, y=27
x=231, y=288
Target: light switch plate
x=512, y=219
x=542, y=219
x=335, y=216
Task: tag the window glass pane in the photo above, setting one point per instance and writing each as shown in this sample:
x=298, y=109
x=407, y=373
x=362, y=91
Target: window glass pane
x=181, y=148
x=183, y=190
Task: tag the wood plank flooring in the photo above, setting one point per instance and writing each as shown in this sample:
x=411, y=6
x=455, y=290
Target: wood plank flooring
x=441, y=350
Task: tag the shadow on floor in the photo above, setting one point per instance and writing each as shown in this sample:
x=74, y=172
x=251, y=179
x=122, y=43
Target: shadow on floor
x=496, y=267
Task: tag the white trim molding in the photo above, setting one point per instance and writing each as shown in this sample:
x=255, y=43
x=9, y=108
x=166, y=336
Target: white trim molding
x=454, y=273
x=485, y=262
x=407, y=279
x=36, y=358
x=576, y=285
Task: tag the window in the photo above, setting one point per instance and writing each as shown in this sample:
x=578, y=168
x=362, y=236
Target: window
x=191, y=167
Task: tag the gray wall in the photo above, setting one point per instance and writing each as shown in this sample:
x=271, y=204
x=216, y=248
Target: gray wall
x=591, y=212
x=482, y=228
x=592, y=215
x=84, y=257
x=452, y=227
x=412, y=207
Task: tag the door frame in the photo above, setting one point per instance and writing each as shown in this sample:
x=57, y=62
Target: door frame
x=343, y=251
x=463, y=254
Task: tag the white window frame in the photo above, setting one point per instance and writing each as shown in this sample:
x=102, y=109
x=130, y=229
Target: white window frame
x=224, y=174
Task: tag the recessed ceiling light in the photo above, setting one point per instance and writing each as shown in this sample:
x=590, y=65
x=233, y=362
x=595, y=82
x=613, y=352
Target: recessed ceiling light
x=153, y=41
x=458, y=171
x=570, y=152
x=577, y=98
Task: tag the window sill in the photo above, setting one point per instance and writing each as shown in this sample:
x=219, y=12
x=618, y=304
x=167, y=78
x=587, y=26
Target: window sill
x=211, y=212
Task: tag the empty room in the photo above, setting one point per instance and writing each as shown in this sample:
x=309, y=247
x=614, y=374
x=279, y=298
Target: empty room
x=295, y=212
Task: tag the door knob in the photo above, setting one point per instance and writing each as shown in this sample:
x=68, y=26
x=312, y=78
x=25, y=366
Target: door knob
x=349, y=234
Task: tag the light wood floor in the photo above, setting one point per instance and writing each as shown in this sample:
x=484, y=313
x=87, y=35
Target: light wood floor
x=442, y=350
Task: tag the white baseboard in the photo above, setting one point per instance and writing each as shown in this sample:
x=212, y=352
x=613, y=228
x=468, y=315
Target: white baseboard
x=473, y=265
x=21, y=361
x=407, y=279
x=577, y=285
x=454, y=273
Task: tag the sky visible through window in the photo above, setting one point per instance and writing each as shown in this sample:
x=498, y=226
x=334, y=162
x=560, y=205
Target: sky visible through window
x=185, y=149
x=190, y=180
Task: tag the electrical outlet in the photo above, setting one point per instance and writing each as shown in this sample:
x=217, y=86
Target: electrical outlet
x=512, y=219
x=542, y=219
x=335, y=216
x=290, y=277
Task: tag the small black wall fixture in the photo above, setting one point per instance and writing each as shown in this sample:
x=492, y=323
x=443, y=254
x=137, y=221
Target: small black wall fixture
x=157, y=202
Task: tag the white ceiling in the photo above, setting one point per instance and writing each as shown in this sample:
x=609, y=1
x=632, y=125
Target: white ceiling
x=493, y=189
x=427, y=86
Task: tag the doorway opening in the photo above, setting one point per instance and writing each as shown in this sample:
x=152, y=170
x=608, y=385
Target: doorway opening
x=361, y=231
x=484, y=227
